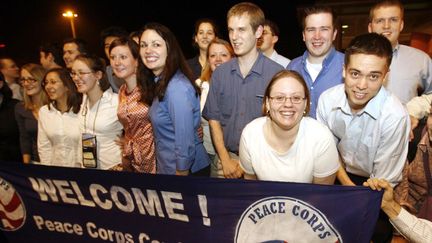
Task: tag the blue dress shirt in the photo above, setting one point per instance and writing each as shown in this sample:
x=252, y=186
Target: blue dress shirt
x=330, y=75
x=175, y=121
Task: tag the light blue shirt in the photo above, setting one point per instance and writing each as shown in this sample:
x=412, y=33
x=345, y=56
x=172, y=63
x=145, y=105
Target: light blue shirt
x=175, y=121
x=330, y=75
x=410, y=69
x=372, y=142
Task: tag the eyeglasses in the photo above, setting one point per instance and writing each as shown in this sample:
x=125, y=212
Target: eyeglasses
x=283, y=99
x=79, y=74
x=28, y=80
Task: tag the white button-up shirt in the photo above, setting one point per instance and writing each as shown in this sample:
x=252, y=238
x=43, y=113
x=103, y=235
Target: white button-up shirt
x=59, y=138
x=101, y=120
x=372, y=142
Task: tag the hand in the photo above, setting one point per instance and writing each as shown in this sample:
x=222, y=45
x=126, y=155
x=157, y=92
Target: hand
x=414, y=123
x=200, y=131
x=231, y=168
x=378, y=185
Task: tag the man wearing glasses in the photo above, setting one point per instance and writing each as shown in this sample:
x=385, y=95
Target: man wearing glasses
x=370, y=125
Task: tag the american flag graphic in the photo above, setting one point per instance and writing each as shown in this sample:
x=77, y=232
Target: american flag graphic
x=12, y=210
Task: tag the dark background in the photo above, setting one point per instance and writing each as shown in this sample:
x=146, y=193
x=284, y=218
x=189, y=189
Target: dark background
x=25, y=25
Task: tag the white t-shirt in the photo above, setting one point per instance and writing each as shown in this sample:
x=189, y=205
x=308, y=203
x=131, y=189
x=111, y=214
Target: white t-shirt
x=313, y=153
x=313, y=69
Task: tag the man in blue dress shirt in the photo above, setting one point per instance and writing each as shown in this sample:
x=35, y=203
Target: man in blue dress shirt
x=320, y=65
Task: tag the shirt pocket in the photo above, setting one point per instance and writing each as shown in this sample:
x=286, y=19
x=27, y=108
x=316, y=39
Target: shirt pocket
x=227, y=104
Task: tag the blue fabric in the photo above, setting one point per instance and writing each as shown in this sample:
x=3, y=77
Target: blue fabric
x=330, y=75
x=235, y=101
x=175, y=121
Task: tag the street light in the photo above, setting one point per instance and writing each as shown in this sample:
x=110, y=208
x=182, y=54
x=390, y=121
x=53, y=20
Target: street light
x=71, y=15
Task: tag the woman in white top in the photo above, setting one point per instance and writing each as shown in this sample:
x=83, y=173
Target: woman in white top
x=285, y=145
x=58, y=127
x=98, y=115
x=219, y=51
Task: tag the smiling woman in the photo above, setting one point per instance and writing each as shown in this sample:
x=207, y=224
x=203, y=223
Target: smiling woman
x=26, y=112
x=294, y=148
x=58, y=127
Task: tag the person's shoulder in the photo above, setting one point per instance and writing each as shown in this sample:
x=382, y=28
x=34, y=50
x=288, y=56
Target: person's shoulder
x=392, y=107
x=19, y=105
x=255, y=126
x=313, y=126
x=409, y=50
x=295, y=63
x=334, y=91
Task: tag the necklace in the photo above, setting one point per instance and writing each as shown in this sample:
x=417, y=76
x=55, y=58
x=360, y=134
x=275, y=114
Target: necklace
x=85, y=115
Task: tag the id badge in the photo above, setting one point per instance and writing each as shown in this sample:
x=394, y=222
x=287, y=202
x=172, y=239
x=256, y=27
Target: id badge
x=89, y=149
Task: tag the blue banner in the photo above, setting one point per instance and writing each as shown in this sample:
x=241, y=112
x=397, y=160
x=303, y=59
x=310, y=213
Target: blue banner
x=53, y=204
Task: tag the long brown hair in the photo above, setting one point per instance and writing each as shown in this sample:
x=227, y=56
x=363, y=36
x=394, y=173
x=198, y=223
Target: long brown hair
x=175, y=60
x=74, y=98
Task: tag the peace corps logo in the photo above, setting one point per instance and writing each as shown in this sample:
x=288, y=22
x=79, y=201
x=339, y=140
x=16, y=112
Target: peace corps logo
x=12, y=210
x=284, y=219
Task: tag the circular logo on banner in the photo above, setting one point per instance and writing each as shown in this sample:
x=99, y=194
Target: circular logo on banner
x=284, y=219
x=12, y=210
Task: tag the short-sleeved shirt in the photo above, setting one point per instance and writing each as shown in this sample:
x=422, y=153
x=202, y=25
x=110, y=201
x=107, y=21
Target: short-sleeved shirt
x=235, y=101
x=313, y=153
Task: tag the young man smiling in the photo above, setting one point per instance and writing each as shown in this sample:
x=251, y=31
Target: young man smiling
x=320, y=65
x=237, y=88
x=370, y=125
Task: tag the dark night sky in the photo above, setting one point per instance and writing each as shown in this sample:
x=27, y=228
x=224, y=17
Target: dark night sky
x=24, y=25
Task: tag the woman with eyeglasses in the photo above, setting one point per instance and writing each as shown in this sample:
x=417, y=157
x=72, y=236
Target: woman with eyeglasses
x=135, y=98
x=27, y=111
x=285, y=145
x=99, y=123
x=59, y=134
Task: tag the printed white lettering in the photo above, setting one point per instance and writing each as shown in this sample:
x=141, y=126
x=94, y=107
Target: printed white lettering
x=170, y=206
x=57, y=226
x=129, y=205
x=44, y=189
x=94, y=188
x=149, y=204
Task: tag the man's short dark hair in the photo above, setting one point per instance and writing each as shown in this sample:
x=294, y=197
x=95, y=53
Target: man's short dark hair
x=82, y=44
x=115, y=31
x=273, y=27
x=370, y=44
x=317, y=9
x=55, y=50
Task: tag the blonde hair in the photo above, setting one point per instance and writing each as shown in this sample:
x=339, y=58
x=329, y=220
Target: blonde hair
x=38, y=73
x=256, y=15
x=207, y=72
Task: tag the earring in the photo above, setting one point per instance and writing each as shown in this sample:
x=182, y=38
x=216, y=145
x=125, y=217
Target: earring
x=98, y=83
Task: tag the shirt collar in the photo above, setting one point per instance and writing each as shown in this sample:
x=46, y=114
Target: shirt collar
x=396, y=50
x=257, y=67
x=373, y=107
x=326, y=60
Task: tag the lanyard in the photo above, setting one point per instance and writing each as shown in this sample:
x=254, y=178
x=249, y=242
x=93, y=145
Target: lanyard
x=85, y=115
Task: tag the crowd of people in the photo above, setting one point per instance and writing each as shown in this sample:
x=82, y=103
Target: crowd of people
x=236, y=110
